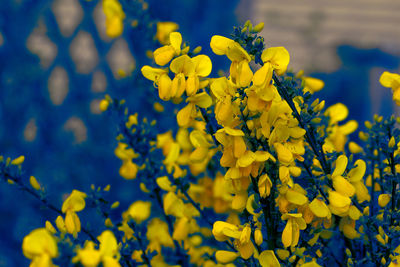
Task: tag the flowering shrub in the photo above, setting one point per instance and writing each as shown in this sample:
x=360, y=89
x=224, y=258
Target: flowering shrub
x=256, y=171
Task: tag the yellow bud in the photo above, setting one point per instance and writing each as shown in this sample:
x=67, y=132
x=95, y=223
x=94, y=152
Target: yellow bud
x=197, y=50
x=158, y=107
x=392, y=142
x=108, y=223
x=34, y=183
x=320, y=106
x=368, y=124
x=115, y=205
x=107, y=188
x=363, y=136
x=50, y=227
x=18, y=161
x=104, y=105
x=258, y=237
x=355, y=148
x=259, y=27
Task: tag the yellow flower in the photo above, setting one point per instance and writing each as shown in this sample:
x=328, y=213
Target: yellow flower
x=107, y=254
x=267, y=258
x=163, y=31
x=158, y=235
x=40, y=246
x=88, y=256
x=164, y=54
x=319, y=208
x=240, y=71
x=138, y=211
x=278, y=57
x=383, y=200
x=291, y=233
x=225, y=257
x=392, y=80
x=74, y=203
x=337, y=137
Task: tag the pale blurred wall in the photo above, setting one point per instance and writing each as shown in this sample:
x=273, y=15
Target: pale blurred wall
x=312, y=29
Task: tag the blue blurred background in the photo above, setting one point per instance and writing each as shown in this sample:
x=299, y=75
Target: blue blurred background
x=56, y=63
